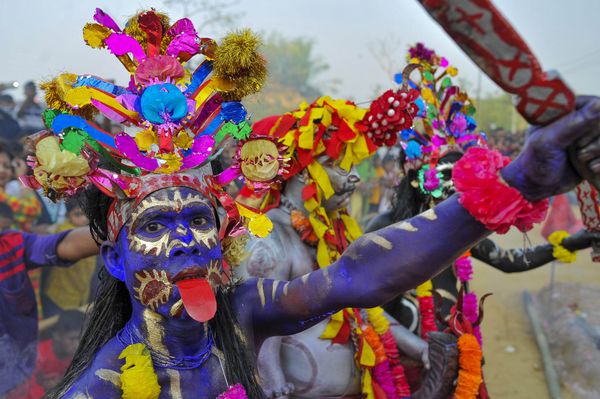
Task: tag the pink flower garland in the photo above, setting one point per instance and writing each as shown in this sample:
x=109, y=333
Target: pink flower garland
x=236, y=391
x=488, y=198
x=391, y=350
x=464, y=269
x=382, y=374
x=472, y=314
x=464, y=272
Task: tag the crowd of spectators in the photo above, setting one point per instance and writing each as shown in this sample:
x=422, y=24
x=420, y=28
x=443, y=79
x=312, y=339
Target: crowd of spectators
x=507, y=142
x=62, y=293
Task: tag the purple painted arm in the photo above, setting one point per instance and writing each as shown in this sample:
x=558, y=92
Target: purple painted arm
x=41, y=250
x=380, y=265
x=373, y=270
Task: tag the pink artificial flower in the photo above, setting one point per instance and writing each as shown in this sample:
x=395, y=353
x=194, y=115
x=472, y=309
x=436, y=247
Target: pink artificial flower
x=236, y=391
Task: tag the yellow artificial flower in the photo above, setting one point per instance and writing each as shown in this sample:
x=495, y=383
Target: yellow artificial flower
x=427, y=95
x=138, y=379
x=145, y=139
x=56, y=161
x=183, y=140
x=172, y=163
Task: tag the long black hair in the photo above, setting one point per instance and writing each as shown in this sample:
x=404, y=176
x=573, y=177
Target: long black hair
x=112, y=309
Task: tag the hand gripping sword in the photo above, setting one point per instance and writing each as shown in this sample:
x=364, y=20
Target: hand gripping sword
x=489, y=39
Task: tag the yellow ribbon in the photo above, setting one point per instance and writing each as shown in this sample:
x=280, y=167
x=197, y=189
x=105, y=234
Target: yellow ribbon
x=319, y=175
x=258, y=223
x=83, y=95
x=367, y=385
x=336, y=321
x=353, y=230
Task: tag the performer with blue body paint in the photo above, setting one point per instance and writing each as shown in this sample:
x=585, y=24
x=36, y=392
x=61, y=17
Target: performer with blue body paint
x=168, y=321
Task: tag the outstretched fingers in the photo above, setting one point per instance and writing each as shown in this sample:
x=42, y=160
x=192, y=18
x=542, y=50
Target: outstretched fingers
x=589, y=155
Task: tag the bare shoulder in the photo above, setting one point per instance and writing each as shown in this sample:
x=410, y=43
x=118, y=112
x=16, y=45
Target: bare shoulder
x=102, y=378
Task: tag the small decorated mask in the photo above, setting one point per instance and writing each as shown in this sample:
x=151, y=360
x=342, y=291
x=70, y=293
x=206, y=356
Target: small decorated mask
x=259, y=160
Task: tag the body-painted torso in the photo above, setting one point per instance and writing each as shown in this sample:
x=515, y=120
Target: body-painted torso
x=101, y=380
x=207, y=381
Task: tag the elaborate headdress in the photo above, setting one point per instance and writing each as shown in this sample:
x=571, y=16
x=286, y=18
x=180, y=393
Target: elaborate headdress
x=444, y=122
x=172, y=123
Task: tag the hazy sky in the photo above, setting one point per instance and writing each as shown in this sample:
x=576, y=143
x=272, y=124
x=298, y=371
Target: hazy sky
x=40, y=38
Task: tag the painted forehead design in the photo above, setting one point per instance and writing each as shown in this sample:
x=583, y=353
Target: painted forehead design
x=171, y=199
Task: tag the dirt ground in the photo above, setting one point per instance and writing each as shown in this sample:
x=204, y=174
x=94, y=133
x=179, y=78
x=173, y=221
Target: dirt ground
x=513, y=366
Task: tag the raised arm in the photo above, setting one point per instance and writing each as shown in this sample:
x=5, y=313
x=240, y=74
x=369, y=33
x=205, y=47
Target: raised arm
x=60, y=249
x=421, y=247
x=512, y=260
x=78, y=244
x=372, y=271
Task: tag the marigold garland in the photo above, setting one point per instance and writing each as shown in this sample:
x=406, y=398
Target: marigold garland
x=396, y=371
x=561, y=253
x=469, y=361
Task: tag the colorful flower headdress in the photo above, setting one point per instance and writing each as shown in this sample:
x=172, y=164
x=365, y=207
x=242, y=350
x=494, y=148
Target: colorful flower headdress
x=172, y=122
x=444, y=122
x=338, y=129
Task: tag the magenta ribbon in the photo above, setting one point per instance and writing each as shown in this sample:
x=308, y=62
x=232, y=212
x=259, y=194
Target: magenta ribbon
x=121, y=44
x=127, y=145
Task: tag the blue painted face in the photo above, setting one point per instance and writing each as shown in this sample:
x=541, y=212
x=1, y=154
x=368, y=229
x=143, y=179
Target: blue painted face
x=172, y=235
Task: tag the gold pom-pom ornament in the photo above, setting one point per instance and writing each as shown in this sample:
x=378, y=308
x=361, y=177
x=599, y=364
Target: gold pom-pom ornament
x=239, y=66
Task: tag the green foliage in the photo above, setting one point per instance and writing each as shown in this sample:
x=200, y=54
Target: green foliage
x=292, y=63
x=293, y=72
x=498, y=111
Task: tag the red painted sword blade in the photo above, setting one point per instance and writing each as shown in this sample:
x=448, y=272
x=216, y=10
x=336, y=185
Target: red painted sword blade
x=497, y=48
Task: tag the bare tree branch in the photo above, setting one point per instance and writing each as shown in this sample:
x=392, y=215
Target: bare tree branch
x=212, y=12
x=388, y=53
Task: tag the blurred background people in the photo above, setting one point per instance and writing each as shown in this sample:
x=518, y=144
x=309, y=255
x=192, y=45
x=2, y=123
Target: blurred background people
x=64, y=289
x=30, y=110
x=55, y=353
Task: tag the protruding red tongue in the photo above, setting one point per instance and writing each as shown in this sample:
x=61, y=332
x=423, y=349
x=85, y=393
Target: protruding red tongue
x=198, y=298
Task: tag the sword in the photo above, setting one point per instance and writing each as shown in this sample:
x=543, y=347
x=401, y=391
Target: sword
x=489, y=39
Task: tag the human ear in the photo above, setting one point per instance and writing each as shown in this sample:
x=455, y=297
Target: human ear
x=112, y=260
